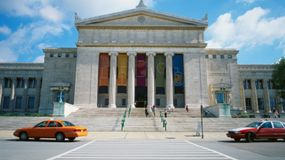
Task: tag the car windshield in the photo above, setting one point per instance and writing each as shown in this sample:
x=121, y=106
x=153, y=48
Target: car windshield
x=254, y=124
x=66, y=123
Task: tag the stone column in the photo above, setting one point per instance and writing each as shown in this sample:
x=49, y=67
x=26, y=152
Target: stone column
x=169, y=80
x=37, y=96
x=242, y=97
x=1, y=91
x=254, y=96
x=25, y=93
x=267, y=107
x=113, y=80
x=131, y=79
x=12, y=98
x=150, y=80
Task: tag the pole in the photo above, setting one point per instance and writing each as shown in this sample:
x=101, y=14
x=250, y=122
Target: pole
x=202, y=127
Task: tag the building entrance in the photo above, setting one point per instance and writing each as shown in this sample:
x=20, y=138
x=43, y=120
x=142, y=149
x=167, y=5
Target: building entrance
x=141, y=97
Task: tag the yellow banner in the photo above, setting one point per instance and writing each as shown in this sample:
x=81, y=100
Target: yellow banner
x=122, y=69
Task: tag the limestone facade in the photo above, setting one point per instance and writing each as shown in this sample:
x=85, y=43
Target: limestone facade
x=207, y=73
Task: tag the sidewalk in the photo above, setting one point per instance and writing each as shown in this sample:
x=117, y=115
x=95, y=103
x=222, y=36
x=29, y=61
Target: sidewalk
x=209, y=136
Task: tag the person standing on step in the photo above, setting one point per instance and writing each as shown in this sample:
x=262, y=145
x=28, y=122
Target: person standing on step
x=146, y=112
x=153, y=110
x=187, y=108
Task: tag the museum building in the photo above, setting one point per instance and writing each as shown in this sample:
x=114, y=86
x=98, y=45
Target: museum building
x=137, y=58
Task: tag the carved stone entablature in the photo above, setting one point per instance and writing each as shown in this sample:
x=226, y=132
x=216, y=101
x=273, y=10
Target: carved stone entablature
x=256, y=68
x=21, y=66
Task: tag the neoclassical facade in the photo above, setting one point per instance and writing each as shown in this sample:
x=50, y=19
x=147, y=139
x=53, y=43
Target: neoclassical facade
x=138, y=58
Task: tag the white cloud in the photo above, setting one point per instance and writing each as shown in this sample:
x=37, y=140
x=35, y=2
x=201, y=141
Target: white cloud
x=40, y=59
x=251, y=29
x=5, y=30
x=7, y=55
x=51, y=13
x=91, y=8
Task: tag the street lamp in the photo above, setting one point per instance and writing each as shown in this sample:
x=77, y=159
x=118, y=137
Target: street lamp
x=201, y=107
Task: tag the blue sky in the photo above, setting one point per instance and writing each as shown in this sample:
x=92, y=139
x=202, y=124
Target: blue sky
x=255, y=27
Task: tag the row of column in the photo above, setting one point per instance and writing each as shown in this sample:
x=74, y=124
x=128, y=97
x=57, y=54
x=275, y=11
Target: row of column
x=254, y=97
x=25, y=92
x=131, y=79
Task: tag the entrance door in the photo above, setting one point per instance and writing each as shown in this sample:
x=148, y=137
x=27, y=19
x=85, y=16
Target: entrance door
x=141, y=97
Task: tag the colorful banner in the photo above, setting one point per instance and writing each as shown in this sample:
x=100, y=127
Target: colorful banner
x=104, y=63
x=160, y=70
x=122, y=69
x=141, y=71
x=178, y=70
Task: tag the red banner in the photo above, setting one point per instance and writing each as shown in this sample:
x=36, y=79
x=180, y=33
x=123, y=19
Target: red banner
x=141, y=71
x=104, y=63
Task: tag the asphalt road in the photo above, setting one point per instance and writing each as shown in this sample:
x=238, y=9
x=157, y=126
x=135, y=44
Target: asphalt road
x=140, y=149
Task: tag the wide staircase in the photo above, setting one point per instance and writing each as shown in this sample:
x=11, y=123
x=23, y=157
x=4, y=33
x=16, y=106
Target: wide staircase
x=105, y=119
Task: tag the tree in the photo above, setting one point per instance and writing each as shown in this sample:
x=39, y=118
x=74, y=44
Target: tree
x=278, y=77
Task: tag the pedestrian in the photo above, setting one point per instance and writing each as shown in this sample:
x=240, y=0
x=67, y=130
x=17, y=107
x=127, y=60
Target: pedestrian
x=276, y=113
x=153, y=109
x=165, y=113
x=187, y=109
x=146, y=112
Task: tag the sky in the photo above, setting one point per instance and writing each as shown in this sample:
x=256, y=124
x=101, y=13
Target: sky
x=254, y=27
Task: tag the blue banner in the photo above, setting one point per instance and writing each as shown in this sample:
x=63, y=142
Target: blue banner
x=178, y=70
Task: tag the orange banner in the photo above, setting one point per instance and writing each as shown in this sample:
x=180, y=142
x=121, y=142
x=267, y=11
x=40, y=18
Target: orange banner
x=104, y=63
x=122, y=69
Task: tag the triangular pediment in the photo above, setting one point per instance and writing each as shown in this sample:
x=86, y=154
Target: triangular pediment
x=140, y=17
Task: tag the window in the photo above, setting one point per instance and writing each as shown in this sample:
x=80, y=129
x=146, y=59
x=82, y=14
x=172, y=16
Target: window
x=259, y=84
x=270, y=84
x=124, y=102
x=248, y=104
x=267, y=125
x=19, y=102
x=122, y=89
x=66, y=123
x=7, y=83
x=220, y=97
x=31, y=102
x=106, y=101
x=41, y=124
x=157, y=101
x=59, y=55
x=230, y=56
x=214, y=56
x=52, y=124
x=222, y=56
x=247, y=84
x=277, y=125
x=6, y=102
x=273, y=102
x=66, y=55
x=20, y=83
x=51, y=55
x=260, y=102
x=32, y=83
x=206, y=56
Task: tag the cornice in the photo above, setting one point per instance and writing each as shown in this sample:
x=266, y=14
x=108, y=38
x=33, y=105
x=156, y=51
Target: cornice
x=140, y=27
x=196, y=45
x=21, y=66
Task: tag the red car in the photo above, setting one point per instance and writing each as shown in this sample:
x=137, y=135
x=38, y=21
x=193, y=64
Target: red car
x=271, y=130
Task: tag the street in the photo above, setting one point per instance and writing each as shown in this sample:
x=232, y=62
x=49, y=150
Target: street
x=140, y=149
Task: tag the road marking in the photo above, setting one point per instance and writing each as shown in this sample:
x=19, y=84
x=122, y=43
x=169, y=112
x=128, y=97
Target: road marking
x=142, y=150
x=210, y=150
x=72, y=150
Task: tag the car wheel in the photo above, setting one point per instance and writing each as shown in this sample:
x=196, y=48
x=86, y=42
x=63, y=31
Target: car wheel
x=59, y=137
x=249, y=137
x=237, y=139
x=71, y=139
x=23, y=136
